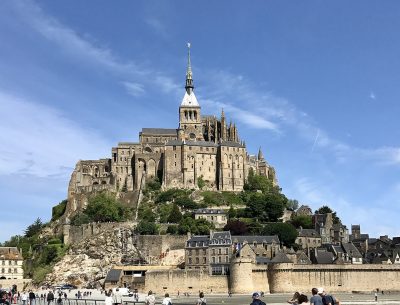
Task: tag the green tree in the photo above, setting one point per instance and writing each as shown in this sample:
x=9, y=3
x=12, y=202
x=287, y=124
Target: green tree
x=286, y=232
x=164, y=210
x=303, y=221
x=34, y=228
x=146, y=214
x=325, y=210
x=186, y=203
x=266, y=207
x=231, y=213
x=104, y=208
x=80, y=219
x=172, y=229
x=200, y=182
x=58, y=210
x=175, y=215
x=195, y=226
x=146, y=228
x=262, y=183
x=236, y=227
x=153, y=184
x=292, y=204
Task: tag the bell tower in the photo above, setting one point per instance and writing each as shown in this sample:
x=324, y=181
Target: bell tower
x=190, y=126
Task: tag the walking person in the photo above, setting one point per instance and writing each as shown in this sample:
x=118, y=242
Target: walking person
x=24, y=298
x=256, y=299
x=201, y=300
x=150, y=299
x=316, y=299
x=117, y=297
x=32, y=298
x=167, y=300
x=109, y=299
x=50, y=297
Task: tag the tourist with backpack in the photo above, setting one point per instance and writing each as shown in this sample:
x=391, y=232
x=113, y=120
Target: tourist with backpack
x=256, y=299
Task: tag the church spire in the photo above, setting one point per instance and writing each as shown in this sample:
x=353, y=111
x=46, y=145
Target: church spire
x=189, y=77
x=260, y=154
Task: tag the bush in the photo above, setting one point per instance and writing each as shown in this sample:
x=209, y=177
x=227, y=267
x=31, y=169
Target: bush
x=153, y=184
x=58, y=210
x=102, y=208
x=39, y=274
x=221, y=198
x=171, y=195
x=80, y=219
x=54, y=241
x=286, y=232
x=172, y=229
x=147, y=228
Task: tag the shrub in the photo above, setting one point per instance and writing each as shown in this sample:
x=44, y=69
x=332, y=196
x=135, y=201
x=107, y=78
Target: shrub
x=58, y=210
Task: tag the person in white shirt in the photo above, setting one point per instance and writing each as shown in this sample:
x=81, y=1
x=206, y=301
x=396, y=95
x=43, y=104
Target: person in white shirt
x=109, y=299
x=150, y=299
x=24, y=298
x=167, y=300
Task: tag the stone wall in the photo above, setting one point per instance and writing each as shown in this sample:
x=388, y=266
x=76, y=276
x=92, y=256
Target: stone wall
x=75, y=234
x=278, y=278
x=185, y=281
x=21, y=283
x=289, y=277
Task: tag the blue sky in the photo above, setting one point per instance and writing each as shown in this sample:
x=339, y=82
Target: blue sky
x=314, y=83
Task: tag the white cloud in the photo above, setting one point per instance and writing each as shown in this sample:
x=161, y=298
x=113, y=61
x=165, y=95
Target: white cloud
x=134, y=89
x=244, y=116
x=372, y=96
x=40, y=141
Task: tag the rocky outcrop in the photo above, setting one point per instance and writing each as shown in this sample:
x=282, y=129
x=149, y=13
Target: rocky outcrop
x=95, y=248
x=88, y=261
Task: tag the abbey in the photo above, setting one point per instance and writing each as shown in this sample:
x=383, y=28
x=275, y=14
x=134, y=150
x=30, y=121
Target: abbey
x=203, y=147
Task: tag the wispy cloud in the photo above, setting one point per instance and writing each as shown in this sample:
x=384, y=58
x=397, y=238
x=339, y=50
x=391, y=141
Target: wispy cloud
x=372, y=95
x=157, y=26
x=134, y=89
x=40, y=141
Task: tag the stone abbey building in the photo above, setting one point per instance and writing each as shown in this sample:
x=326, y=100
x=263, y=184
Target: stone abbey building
x=203, y=146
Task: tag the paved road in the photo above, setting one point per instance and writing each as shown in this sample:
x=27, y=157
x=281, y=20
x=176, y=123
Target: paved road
x=214, y=299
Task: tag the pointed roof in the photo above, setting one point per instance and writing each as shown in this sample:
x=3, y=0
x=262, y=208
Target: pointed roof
x=260, y=154
x=189, y=99
x=280, y=257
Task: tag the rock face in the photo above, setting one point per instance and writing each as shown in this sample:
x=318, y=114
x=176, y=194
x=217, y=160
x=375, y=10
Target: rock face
x=88, y=261
x=95, y=248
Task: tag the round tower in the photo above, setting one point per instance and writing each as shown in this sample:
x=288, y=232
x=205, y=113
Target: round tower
x=241, y=280
x=280, y=277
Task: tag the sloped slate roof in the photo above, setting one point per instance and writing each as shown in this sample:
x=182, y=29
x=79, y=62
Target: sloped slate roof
x=324, y=257
x=113, y=275
x=350, y=249
x=221, y=238
x=209, y=211
x=258, y=239
x=198, y=241
x=280, y=258
x=308, y=233
x=160, y=131
x=201, y=143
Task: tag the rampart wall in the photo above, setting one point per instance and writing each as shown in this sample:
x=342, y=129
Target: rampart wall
x=190, y=281
x=279, y=278
x=368, y=277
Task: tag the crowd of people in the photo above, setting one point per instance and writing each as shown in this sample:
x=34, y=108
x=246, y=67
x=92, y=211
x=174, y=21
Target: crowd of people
x=319, y=297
